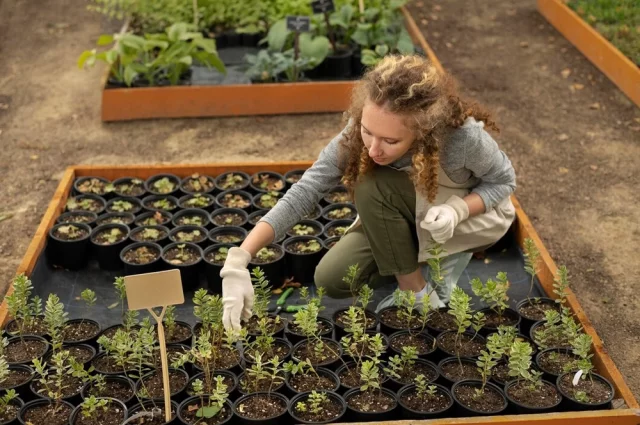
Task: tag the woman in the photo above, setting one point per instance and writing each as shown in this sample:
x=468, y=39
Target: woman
x=422, y=170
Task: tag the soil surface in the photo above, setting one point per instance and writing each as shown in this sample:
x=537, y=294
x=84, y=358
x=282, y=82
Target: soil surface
x=228, y=219
x=535, y=311
x=35, y=325
x=490, y=401
x=493, y=319
x=109, y=416
x=106, y=364
x=392, y=318
x=79, y=331
x=409, y=373
x=141, y=255
x=70, y=386
x=426, y=403
x=275, y=323
x=115, y=389
x=504, y=53
x=596, y=390
x=454, y=372
x=226, y=359
x=185, y=256
x=10, y=412
x=15, y=377
x=48, y=415
x=544, y=396
x=308, y=382
x=442, y=321
x=80, y=353
x=371, y=402
x=24, y=352
x=154, y=386
x=156, y=218
x=330, y=353
x=249, y=384
x=190, y=414
x=261, y=407
x=423, y=343
x=554, y=361
x=464, y=346
x=330, y=410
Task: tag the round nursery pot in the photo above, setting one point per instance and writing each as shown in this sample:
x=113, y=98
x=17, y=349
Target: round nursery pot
x=19, y=380
x=182, y=338
x=38, y=327
x=292, y=177
x=440, y=321
x=420, y=367
x=30, y=347
x=191, y=217
x=306, y=228
x=91, y=185
x=141, y=257
x=173, y=256
x=163, y=184
x=254, y=217
x=108, y=241
x=333, y=353
x=271, y=260
x=68, y=245
x=232, y=180
x=11, y=412
x=192, y=234
x=532, y=311
x=85, y=217
x=81, y=331
x=115, y=414
x=346, y=383
x=449, y=371
x=285, y=352
x=328, y=243
x=117, y=386
x=333, y=409
x=242, y=381
x=153, y=234
x=336, y=228
x=390, y=322
x=189, y=410
x=427, y=407
x=552, y=361
x=35, y=411
x=251, y=39
x=563, y=343
x=232, y=235
x=316, y=214
x=466, y=406
x=204, y=201
x=224, y=217
x=124, y=205
x=129, y=186
x=337, y=195
x=292, y=332
x=198, y=184
x=107, y=366
x=92, y=203
x=235, y=199
x=598, y=390
x=357, y=67
x=372, y=321
x=267, y=181
x=345, y=211
x=472, y=345
x=213, y=261
x=116, y=217
x=266, y=201
x=70, y=392
x=160, y=203
x=509, y=318
x=230, y=380
x=548, y=394
x=154, y=218
x=149, y=405
x=247, y=412
x=303, y=253
x=326, y=380
x=178, y=379
x=356, y=415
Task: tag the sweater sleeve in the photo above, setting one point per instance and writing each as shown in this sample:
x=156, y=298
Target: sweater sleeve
x=301, y=199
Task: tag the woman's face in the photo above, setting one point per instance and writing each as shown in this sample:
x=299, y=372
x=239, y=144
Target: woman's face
x=384, y=134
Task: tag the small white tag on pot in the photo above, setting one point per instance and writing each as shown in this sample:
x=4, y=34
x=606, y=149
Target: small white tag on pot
x=576, y=378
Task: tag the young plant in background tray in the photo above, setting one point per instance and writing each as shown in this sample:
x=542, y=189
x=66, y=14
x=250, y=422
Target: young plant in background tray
x=494, y=293
x=52, y=376
x=211, y=400
x=129, y=317
x=423, y=389
x=581, y=347
x=55, y=317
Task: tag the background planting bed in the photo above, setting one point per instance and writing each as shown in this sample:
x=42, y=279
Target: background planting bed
x=505, y=257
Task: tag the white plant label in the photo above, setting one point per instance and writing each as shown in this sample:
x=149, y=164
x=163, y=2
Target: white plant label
x=577, y=377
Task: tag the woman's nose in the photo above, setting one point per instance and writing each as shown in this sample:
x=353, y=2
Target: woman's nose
x=374, y=150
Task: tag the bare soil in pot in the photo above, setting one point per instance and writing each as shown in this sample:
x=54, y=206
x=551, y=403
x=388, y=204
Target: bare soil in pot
x=279, y=348
x=546, y=395
x=129, y=187
x=409, y=373
x=465, y=346
x=19, y=351
x=493, y=319
x=554, y=361
x=178, y=333
x=48, y=413
x=323, y=328
x=153, y=384
x=15, y=377
x=35, y=325
x=427, y=403
x=189, y=412
x=182, y=254
x=118, y=218
x=226, y=359
x=85, y=203
x=70, y=232
x=85, y=217
x=232, y=180
x=107, y=364
x=454, y=371
x=198, y=183
x=490, y=401
x=227, y=235
x=328, y=410
x=442, y=321
x=372, y=401
x=149, y=234
x=391, y=317
x=267, y=182
x=141, y=255
x=261, y=406
x=256, y=216
x=596, y=391
x=10, y=412
x=307, y=382
x=338, y=195
x=109, y=236
x=153, y=218
x=70, y=386
x=82, y=353
x=294, y=177
x=329, y=354
x=228, y=219
x=424, y=343
x=174, y=352
x=119, y=389
x=275, y=325
x=535, y=310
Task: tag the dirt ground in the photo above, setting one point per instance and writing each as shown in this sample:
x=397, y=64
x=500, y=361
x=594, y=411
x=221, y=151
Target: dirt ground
x=574, y=139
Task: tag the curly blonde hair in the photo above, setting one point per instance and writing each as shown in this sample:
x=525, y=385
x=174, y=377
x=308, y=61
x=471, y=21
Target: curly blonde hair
x=410, y=86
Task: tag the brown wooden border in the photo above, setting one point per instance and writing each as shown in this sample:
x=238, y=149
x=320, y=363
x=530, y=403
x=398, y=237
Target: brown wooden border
x=234, y=100
x=620, y=69
x=522, y=228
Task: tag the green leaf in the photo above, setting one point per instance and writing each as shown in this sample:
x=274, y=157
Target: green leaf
x=206, y=44
x=316, y=48
x=207, y=412
x=277, y=35
x=187, y=60
x=405, y=44
x=129, y=75
x=382, y=50
x=111, y=56
x=105, y=39
x=84, y=56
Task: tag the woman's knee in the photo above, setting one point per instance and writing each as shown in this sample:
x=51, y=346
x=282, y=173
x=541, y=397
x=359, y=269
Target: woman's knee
x=327, y=276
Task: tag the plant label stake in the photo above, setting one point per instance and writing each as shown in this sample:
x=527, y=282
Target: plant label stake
x=325, y=7
x=297, y=24
x=151, y=290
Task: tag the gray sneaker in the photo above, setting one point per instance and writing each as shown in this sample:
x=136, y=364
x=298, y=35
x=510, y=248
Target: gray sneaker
x=387, y=301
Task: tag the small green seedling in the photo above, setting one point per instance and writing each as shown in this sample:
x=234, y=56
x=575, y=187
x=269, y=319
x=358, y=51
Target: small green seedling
x=93, y=407
x=520, y=365
x=494, y=292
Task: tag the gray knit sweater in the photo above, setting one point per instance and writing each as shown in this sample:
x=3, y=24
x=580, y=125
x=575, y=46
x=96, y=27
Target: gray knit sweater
x=469, y=151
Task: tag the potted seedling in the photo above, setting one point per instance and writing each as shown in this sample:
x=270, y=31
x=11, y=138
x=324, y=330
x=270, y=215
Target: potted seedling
x=317, y=407
x=264, y=344
x=266, y=201
x=584, y=390
x=228, y=235
x=303, y=253
x=292, y=177
x=118, y=355
x=338, y=195
x=61, y=379
x=267, y=181
x=371, y=402
x=556, y=331
x=255, y=217
x=494, y=293
x=10, y=402
x=107, y=241
x=191, y=217
x=129, y=318
x=404, y=314
x=532, y=309
x=150, y=386
x=329, y=243
x=270, y=259
x=362, y=295
x=152, y=234
x=117, y=387
x=91, y=203
x=302, y=377
x=461, y=343
x=68, y=245
x=339, y=212
x=261, y=323
x=424, y=400
x=84, y=330
x=293, y=330
x=187, y=257
x=141, y=257
x=177, y=331
x=16, y=377
x=191, y=234
x=228, y=378
x=337, y=228
x=207, y=405
x=163, y=184
x=99, y=411
x=116, y=217
x=261, y=408
x=130, y=187
x=316, y=350
x=214, y=258
x=124, y=205
x=306, y=228
x=204, y=201
x=154, y=218
x=85, y=217
x=232, y=180
x=234, y=199
x=25, y=310
x=403, y=369
x=198, y=184
x=160, y=203
x=93, y=185
x=506, y=335
x=316, y=214
x=553, y=362
x=229, y=217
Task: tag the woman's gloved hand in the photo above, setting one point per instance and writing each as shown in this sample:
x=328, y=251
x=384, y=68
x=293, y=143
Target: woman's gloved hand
x=441, y=220
x=237, y=290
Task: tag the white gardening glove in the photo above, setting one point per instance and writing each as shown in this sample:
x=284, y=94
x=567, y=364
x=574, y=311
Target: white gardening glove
x=441, y=220
x=237, y=290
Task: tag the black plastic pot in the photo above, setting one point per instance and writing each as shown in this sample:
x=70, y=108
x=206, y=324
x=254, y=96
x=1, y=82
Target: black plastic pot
x=148, y=206
x=258, y=200
x=231, y=390
x=276, y=387
x=242, y=186
x=409, y=413
x=526, y=322
x=151, y=267
x=212, y=270
x=256, y=187
x=434, y=330
x=465, y=411
x=296, y=338
x=186, y=342
x=91, y=217
x=315, y=224
x=209, y=206
x=80, y=180
x=97, y=198
x=202, y=243
x=315, y=215
x=189, y=273
x=329, y=364
x=333, y=224
x=235, y=369
x=328, y=243
x=357, y=416
x=394, y=385
x=357, y=67
x=549, y=375
x=136, y=205
x=73, y=399
x=116, y=217
x=192, y=212
x=441, y=353
x=350, y=365
x=281, y=418
x=251, y=39
x=114, y=404
x=337, y=65
x=18, y=403
x=278, y=341
x=274, y=270
x=340, y=331
x=16, y=332
x=240, y=232
x=108, y=256
x=389, y=329
x=431, y=341
x=339, y=188
x=302, y=266
x=89, y=341
x=326, y=210
x=532, y=333
x=244, y=194
x=141, y=220
x=253, y=215
x=71, y=254
x=184, y=182
x=241, y=213
x=162, y=240
x=442, y=377
x=522, y=409
x=292, y=173
x=106, y=373
x=177, y=396
x=233, y=39
x=24, y=389
x=141, y=190
x=486, y=330
x=148, y=405
x=17, y=339
x=148, y=184
x=196, y=401
x=322, y=371
x=84, y=393
x=41, y=402
x=570, y=404
x=331, y=395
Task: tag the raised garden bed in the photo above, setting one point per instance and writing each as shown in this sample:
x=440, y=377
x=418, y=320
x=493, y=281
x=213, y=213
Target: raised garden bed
x=614, y=64
x=507, y=258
